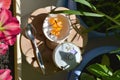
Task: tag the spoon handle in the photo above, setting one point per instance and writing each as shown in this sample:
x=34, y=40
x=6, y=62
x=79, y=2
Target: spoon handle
x=39, y=57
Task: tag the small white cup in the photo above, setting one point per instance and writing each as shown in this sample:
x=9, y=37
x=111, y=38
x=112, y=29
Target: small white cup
x=67, y=56
x=48, y=27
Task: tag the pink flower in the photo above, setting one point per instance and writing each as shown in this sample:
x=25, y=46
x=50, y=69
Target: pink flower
x=9, y=27
x=5, y=4
x=5, y=74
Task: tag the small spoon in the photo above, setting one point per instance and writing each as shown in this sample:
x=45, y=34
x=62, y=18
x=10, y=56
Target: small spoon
x=29, y=32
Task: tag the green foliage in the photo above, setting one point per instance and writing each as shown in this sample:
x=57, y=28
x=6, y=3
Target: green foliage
x=102, y=71
x=118, y=56
x=108, y=21
x=86, y=3
x=117, y=74
x=82, y=13
x=99, y=70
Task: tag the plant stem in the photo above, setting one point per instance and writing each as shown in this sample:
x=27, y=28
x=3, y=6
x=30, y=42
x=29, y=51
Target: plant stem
x=112, y=19
x=108, y=17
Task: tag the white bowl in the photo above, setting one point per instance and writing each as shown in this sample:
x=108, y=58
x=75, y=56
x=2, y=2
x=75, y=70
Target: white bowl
x=67, y=56
x=64, y=32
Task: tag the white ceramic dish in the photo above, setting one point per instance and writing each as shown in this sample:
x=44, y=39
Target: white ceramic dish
x=65, y=29
x=67, y=56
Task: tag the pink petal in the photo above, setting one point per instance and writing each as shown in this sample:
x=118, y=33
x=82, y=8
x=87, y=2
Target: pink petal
x=4, y=15
x=12, y=19
x=1, y=35
x=3, y=52
x=5, y=4
x=1, y=71
x=12, y=28
x=9, y=78
x=5, y=74
x=3, y=48
x=10, y=40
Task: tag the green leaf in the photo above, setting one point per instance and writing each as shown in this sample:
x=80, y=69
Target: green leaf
x=115, y=76
x=99, y=70
x=98, y=79
x=85, y=76
x=114, y=27
x=118, y=16
x=86, y=3
x=111, y=19
x=105, y=60
x=116, y=51
x=117, y=73
x=112, y=78
x=75, y=12
x=118, y=56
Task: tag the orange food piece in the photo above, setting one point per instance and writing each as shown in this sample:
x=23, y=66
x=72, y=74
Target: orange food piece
x=56, y=25
x=52, y=20
x=55, y=32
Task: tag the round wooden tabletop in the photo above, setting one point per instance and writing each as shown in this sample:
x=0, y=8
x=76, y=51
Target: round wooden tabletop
x=45, y=46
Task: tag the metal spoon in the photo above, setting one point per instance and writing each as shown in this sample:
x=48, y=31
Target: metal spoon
x=30, y=35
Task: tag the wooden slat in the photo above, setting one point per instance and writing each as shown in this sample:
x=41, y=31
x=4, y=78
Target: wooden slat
x=15, y=46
